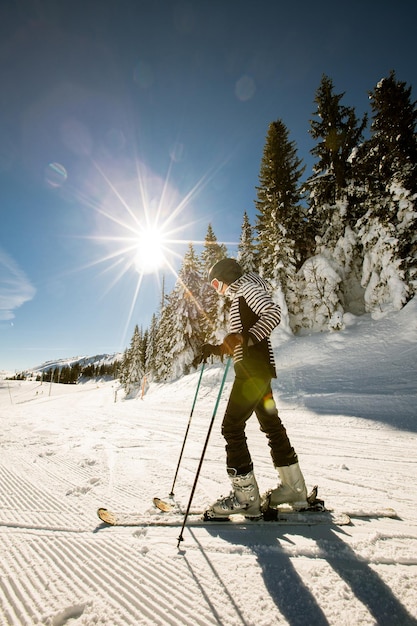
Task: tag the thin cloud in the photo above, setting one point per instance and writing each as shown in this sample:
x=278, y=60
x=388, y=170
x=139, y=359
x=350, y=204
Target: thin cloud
x=15, y=287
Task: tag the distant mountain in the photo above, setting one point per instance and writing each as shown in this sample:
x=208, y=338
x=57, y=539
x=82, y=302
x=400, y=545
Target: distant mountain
x=82, y=361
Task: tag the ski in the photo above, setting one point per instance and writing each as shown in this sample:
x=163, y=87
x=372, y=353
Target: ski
x=284, y=517
x=282, y=514
x=169, y=513
x=315, y=505
x=374, y=513
x=163, y=505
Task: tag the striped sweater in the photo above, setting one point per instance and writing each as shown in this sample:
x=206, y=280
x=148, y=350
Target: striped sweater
x=254, y=314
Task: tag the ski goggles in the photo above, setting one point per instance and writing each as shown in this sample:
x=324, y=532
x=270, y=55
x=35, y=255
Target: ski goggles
x=217, y=285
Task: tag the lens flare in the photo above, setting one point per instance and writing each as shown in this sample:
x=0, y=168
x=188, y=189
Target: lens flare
x=55, y=175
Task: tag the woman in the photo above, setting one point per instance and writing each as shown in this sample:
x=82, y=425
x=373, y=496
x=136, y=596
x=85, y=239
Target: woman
x=253, y=316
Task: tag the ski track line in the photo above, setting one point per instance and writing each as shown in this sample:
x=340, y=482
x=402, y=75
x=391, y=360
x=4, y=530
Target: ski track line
x=23, y=503
x=15, y=491
x=52, y=467
x=24, y=593
x=349, y=453
x=38, y=591
x=63, y=470
x=25, y=506
x=213, y=591
x=70, y=561
x=42, y=465
x=65, y=585
x=357, y=485
x=352, y=445
x=165, y=587
x=10, y=605
x=120, y=580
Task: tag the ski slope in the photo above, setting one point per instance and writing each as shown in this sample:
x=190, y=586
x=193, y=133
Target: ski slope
x=348, y=400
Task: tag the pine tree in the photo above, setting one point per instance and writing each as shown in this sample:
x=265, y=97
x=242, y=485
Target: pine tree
x=391, y=152
x=190, y=312
x=115, y=369
x=162, y=301
x=164, y=343
x=75, y=373
x=388, y=162
x=337, y=132
x=144, y=349
x=280, y=219
x=151, y=346
x=334, y=198
x=124, y=368
x=184, y=313
x=319, y=305
x=247, y=248
x=134, y=363
x=215, y=309
x=212, y=251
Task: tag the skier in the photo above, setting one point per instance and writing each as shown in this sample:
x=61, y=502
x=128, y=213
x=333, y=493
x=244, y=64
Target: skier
x=253, y=316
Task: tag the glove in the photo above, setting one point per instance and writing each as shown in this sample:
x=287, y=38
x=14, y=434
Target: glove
x=207, y=349
x=230, y=342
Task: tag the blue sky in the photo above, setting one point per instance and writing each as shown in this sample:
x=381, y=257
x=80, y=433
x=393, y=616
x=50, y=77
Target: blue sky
x=116, y=117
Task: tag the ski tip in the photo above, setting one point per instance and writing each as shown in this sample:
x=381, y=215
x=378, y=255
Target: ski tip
x=341, y=519
x=106, y=516
x=162, y=505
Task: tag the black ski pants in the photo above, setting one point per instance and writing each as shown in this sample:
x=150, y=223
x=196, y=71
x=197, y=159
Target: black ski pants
x=253, y=394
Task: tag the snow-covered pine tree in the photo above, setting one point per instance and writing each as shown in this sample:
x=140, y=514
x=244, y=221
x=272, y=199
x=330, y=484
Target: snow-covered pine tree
x=247, y=249
x=319, y=305
x=212, y=252
x=144, y=349
x=388, y=227
x=124, y=367
x=280, y=221
x=215, y=309
x=151, y=346
x=186, y=324
x=133, y=366
x=333, y=200
x=391, y=151
x=162, y=365
x=337, y=132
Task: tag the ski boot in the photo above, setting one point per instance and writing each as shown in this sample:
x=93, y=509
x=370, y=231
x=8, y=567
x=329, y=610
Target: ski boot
x=292, y=489
x=244, y=499
x=273, y=514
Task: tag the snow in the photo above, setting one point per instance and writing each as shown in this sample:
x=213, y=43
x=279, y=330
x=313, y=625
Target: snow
x=348, y=400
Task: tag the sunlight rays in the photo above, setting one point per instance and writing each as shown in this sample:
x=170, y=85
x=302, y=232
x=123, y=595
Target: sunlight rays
x=140, y=222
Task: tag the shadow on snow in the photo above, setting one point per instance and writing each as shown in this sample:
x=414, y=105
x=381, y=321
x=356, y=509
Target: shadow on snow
x=295, y=601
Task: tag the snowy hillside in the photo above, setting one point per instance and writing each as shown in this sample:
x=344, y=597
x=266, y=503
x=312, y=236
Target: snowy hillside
x=348, y=400
x=82, y=361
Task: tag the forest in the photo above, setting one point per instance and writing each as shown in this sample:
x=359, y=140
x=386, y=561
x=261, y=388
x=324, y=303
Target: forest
x=343, y=241
x=339, y=242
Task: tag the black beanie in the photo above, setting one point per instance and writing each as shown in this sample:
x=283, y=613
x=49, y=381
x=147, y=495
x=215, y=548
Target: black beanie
x=226, y=270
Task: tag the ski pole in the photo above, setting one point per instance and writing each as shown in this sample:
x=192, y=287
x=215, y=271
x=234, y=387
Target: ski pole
x=188, y=428
x=181, y=538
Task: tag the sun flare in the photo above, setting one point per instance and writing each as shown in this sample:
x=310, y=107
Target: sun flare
x=150, y=254
x=140, y=220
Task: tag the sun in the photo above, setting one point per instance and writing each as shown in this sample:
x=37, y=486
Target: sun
x=150, y=253
x=140, y=220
